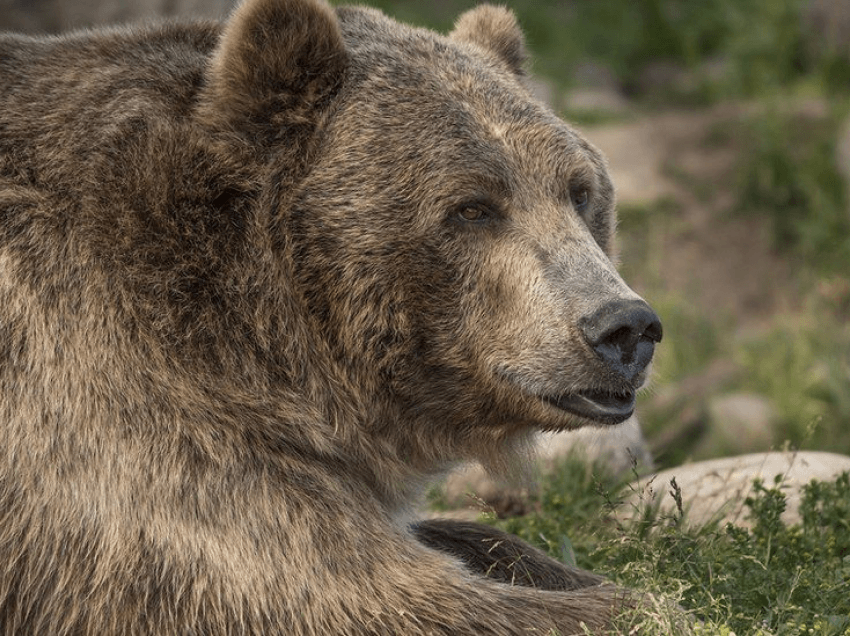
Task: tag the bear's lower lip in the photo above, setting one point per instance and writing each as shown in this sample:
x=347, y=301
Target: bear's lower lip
x=599, y=406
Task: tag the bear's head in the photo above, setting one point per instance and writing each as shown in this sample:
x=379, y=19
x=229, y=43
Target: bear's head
x=451, y=239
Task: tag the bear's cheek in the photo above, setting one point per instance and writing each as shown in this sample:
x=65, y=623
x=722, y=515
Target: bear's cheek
x=515, y=318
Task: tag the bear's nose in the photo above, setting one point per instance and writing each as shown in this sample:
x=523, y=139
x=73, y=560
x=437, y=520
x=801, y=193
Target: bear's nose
x=623, y=334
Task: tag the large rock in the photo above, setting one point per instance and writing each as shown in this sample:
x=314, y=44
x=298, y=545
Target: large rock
x=717, y=488
x=738, y=423
x=597, y=91
x=619, y=449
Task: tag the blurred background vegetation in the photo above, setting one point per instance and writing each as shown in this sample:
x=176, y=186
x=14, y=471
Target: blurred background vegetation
x=740, y=234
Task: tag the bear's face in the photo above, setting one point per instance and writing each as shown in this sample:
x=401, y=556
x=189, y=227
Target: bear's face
x=455, y=238
x=450, y=238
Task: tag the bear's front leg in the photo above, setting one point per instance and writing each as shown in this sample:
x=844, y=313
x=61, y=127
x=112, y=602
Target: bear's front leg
x=406, y=589
x=501, y=556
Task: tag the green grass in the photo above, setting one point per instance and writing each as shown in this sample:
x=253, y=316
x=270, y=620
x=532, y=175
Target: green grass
x=772, y=578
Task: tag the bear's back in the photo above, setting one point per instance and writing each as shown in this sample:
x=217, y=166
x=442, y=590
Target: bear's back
x=61, y=95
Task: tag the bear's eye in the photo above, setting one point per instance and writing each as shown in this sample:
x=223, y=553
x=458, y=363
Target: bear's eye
x=473, y=213
x=579, y=197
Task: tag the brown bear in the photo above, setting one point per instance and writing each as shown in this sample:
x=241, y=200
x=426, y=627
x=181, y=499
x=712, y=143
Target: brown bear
x=259, y=283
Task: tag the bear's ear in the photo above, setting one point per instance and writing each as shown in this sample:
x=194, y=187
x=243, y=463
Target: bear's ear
x=494, y=29
x=276, y=66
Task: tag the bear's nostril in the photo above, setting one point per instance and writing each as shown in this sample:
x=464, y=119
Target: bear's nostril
x=623, y=334
x=653, y=330
x=623, y=340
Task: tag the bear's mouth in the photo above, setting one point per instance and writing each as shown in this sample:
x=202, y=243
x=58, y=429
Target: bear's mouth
x=600, y=406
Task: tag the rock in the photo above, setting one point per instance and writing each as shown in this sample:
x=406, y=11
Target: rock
x=738, y=422
x=683, y=408
x=543, y=91
x=592, y=74
x=619, y=449
x=716, y=489
x=596, y=90
x=662, y=76
x=642, y=182
x=470, y=491
x=596, y=101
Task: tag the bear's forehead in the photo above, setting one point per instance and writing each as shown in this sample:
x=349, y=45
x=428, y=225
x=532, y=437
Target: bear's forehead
x=413, y=62
x=414, y=75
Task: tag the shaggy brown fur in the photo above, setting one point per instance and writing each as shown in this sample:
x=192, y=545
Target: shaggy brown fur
x=258, y=284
